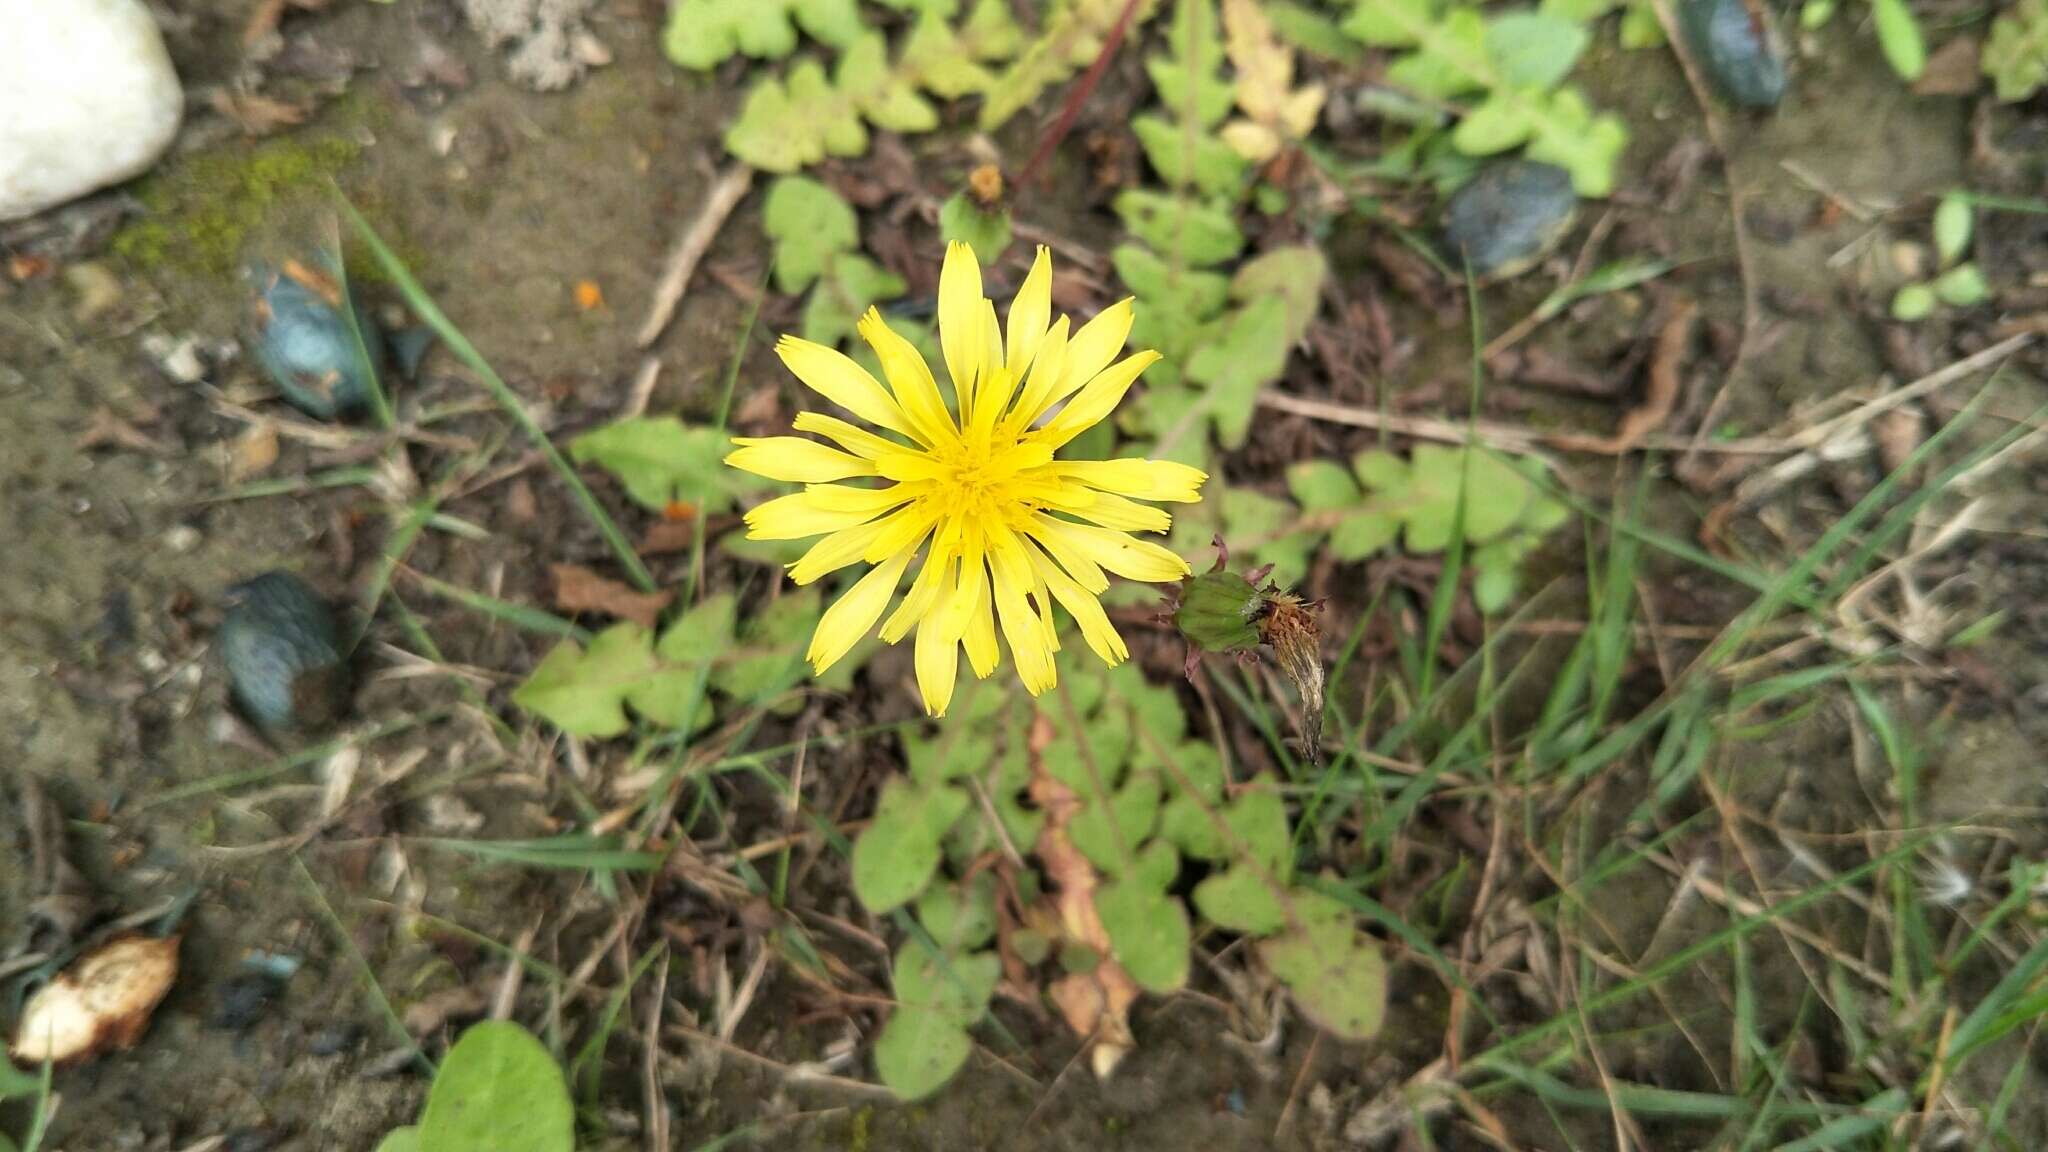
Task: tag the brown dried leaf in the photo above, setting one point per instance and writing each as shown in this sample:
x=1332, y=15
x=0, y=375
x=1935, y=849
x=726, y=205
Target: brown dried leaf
x=253, y=452
x=257, y=115
x=1096, y=1004
x=578, y=589
x=1662, y=395
x=1291, y=629
x=108, y=429
x=1952, y=70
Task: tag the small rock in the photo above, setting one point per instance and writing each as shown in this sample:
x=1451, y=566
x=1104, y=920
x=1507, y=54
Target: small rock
x=449, y=813
x=98, y=291
x=181, y=538
x=306, y=345
x=282, y=648
x=1509, y=216
x=1737, y=45
x=179, y=359
x=88, y=98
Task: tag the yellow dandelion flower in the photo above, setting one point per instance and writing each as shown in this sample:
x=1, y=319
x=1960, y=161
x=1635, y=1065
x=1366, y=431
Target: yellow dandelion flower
x=1005, y=528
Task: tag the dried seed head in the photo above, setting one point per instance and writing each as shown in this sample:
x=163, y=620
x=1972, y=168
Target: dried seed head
x=985, y=187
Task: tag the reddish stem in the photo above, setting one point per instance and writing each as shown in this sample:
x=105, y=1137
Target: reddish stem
x=1070, y=110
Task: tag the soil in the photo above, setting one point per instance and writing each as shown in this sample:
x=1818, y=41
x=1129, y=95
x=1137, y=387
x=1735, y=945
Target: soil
x=120, y=546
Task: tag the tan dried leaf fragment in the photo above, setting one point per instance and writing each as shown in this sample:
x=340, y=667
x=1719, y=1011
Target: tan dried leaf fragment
x=578, y=589
x=1276, y=113
x=1096, y=1004
x=103, y=1001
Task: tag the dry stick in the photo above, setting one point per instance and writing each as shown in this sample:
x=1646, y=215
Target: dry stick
x=508, y=985
x=725, y=195
x=1518, y=438
x=1737, y=203
x=1070, y=109
x=650, y=1065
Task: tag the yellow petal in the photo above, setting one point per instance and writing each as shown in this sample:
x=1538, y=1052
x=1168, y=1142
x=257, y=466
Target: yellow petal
x=1097, y=399
x=798, y=515
x=1113, y=511
x=911, y=466
x=1086, y=610
x=832, y=374
x=837, y=551
x=1140, y=479
x=856, y=440
x=1125, y=555
x=903, y=534
x=853, y=614
x=938, y=663
x=1030, y=312
x=842, y=498
x=980, y=640
x=1085, y=572
x=796, y=460
x=1033, y=400
x=1094, y=346
x=932, y=579
x=1022, y=627
x=910, y=378
x=960, y=312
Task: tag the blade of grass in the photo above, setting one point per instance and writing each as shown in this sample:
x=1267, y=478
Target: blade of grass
x=423, y=306
x=378, y=999
x=572, y=850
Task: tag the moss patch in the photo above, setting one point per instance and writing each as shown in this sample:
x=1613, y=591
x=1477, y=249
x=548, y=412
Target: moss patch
x=198, y=212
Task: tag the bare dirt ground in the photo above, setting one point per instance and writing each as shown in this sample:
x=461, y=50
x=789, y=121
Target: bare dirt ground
x=120, y=544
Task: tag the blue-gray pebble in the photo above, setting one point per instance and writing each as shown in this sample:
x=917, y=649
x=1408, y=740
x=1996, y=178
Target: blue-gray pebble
x=1509, y=216
x=283, y=651
x=1737, y=46
x=303, y=342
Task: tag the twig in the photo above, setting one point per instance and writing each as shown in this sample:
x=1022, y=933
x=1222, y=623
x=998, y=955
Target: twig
x=690, y=247
x=1070, y=109
x=643, y=388
x=650, y=1064
x=515, y=971
x=1662, y=395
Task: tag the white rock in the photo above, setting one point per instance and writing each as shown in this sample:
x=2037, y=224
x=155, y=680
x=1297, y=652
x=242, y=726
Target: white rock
x=88, y=98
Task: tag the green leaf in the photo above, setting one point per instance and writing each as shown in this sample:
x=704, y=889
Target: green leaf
x=1148, y=932
x=955, y=986
x=885, y=96
x=1640, y=27
x=1294, y=274
x=1589, y=147
x=1258, y=820
x=787, y=124
x=1201, y=234
x=809, y=224
x=1534, y=49
x=770, y=656
x=898, y=852
x=1254, y=517
x=498, y=1090
x=1194, y=57
x=1105, y=831
x=961, y=917
x=1898, y=35
x=1172, y=304
x=1391, y=23
x=676, y=695
x=1913, y=302
x=1954, y=220
x=1336, y=975
x=1251, y=355
x=1450, y=61
x=1319, y=485
x=1361, y=534
x=1182, y=158
x=851, y=285
x=1962, y=286
x=1186, y=824
x=1381, y=471
x=661, y=461
x=406, y=1139
x=919, y=1050
x=2016, y=53
x=584, y=694
x=1501, y=122
x=1496, y=494
x=1241, y=900
x=985, y=231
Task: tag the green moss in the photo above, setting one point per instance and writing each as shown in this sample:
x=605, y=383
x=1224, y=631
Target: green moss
x=199, y=211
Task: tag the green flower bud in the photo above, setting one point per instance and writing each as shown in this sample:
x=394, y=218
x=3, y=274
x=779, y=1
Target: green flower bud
x=1218, y=611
